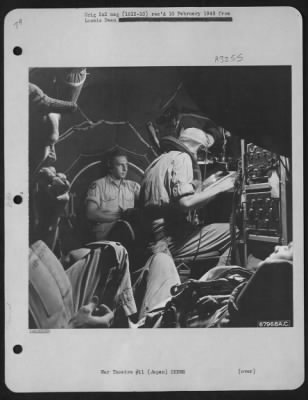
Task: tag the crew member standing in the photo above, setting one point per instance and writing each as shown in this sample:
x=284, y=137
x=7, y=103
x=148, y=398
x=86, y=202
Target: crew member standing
x=110, y=198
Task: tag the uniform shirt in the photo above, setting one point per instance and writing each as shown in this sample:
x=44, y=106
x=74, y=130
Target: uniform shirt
x=110, y=195
x=167, y=179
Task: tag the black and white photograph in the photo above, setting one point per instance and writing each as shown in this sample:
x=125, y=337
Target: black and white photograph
x=153, y=190
x=160, y=197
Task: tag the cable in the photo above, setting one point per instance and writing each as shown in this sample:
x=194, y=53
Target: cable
x=238, y=183
x=198, y=248
x=87, y=125
x=165, y=105
x=84, y=115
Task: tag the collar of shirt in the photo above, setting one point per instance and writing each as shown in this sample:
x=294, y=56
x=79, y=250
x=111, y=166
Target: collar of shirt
x=114, y=182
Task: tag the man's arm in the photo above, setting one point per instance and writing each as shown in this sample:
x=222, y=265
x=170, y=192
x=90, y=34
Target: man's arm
x=136, y=191
x=200, y=199
x=193, y=201
x=96, y=214
x=48, y=104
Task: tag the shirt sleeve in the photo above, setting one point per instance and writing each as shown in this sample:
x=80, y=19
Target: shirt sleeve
x=181, y=179
x=136, y=190
x=93, y=194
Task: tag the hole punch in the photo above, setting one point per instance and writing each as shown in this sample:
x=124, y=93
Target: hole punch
x=17, y=50
x=17, y=349
x=17, y=199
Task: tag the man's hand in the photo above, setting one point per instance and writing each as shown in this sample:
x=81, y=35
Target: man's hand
x=200, y=199
x=95, y=213
x=92, y=315
x=128, y=213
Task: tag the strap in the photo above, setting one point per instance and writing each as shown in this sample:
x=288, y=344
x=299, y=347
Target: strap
x=168, y=143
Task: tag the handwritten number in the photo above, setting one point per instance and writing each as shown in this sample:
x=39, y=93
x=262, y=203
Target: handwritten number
x=226, y=59
x=18, y=23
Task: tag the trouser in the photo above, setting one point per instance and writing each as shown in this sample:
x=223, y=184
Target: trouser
x=201, y=240
x=183, y=238
x=55, y=295
x=152, y=287
x=197, y=303
x=104, y=273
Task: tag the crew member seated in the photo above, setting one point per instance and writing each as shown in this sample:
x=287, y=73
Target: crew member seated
x=169, y=191
x=229, y=296
x=93, y=290
x=96, y=291
x=110, y=198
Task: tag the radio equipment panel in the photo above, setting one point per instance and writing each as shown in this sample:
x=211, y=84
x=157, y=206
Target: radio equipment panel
x=259, y=163
x=263, y=214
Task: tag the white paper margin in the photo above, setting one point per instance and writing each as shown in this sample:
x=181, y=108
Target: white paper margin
x=71, y=360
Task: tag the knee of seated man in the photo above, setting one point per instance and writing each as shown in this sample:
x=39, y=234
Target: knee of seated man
x=163, y=262
x=219, y=228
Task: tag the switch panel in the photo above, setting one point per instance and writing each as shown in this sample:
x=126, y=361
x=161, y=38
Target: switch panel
x=259, y=164
x=263, y=215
